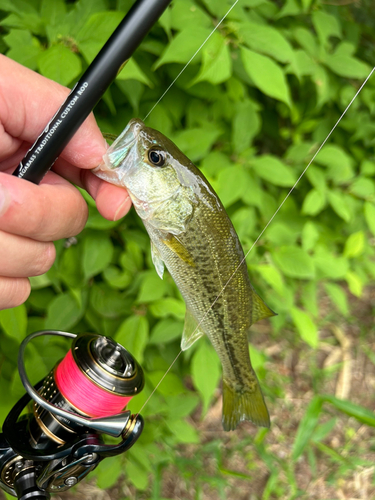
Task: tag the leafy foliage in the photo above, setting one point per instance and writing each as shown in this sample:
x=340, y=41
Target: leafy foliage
x=251, y=109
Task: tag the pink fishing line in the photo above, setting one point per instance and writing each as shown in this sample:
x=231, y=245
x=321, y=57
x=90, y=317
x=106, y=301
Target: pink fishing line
x=83, y=394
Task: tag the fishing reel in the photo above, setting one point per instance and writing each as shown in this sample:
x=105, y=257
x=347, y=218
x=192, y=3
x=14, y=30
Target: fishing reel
x=60, y=439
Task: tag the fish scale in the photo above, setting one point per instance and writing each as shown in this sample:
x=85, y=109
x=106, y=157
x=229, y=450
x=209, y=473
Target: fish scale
x=193, y=237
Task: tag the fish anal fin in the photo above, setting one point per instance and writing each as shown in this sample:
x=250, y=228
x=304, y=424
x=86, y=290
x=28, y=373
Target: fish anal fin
x=174, y=244
x=243, y=404
x=157, y=260
x=191, y=331
x=259, y=310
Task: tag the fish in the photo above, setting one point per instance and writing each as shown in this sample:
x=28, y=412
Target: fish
x=193, y=237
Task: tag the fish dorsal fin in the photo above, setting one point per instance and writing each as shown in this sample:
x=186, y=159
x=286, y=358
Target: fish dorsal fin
x=259, y=309
x=174, y=244
x=191, y=333
x=157, y=260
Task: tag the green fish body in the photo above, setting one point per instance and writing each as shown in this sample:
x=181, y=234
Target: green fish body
x=193, y=237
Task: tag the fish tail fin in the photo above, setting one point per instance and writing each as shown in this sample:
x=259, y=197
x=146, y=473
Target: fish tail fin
x=243, y=404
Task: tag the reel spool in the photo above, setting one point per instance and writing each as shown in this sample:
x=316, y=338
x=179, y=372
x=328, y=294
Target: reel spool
x=82, y=398
x=97, y=378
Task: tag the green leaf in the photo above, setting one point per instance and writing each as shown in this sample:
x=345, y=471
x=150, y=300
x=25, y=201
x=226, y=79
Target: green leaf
x=59, y=64
x=205, y=370
x=335, y=158
x=115, y=278
x=70, y=266
x=347, y=66
x=108, y=472
x=317, y=177
x=294, y=262
x=273, y=277
x=182, y=405
x=41, y=281
x=307, y=427
x=310, y=236
x=232, y=184
x=133, y=335
x=166, y=331
x=131, y=71
x=14, y=322
x=360, y=413
x=197, y=142
x=52, y=12
x=273, y=170
x=171, y=384
x=97, y=253
x=338, y=297
x=246, y=125
x=185, y=432
x=267, y=76
x=368, y=168
x=325, y=25
x=63, y=312
x=363, y=188
x=354, y=245
x=168, y=307
x=306, y=39
x=183, y=46
x=186, y=13
x=216, y=61
x=136, y=474
x=96, y=31
x=355, y=283
x=330, y=265
x=305, y=326
x=24, y=48
x=109, y=303
x=313, y=203
x=266, y=40
x=339, y=205
x=369, y=210
x=152, y=288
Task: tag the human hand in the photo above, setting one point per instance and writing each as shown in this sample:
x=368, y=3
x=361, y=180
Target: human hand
x=31, y=216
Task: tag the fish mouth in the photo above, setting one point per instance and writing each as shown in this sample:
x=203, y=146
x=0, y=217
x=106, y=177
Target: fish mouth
x=118, y=152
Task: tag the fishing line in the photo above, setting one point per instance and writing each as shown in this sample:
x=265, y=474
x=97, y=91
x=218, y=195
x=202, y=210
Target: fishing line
x=262, y=232
x=189, y=61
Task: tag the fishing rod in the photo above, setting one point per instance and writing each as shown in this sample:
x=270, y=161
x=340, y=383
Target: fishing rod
x=60, y=440
x=90, y=88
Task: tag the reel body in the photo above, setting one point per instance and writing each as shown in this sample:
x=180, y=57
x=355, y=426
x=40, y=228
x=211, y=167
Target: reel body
x=61, y=440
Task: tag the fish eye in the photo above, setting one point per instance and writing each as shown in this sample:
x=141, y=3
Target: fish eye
x=156, y=157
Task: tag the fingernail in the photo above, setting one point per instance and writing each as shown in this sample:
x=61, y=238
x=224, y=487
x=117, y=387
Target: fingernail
x=119, y=211
x=4, y=199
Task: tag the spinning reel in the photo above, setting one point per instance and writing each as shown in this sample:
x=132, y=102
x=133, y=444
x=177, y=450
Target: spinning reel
x=59, y=441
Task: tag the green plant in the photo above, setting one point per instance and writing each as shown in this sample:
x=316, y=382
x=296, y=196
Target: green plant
x=250, y=109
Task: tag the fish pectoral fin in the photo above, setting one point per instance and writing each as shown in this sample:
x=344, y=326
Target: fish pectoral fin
x=259, y=309
x=174, y=244
x=191, y=331
x=157, y=260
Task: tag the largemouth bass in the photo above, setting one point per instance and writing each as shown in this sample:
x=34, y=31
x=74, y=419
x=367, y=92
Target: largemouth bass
x=193, y=237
